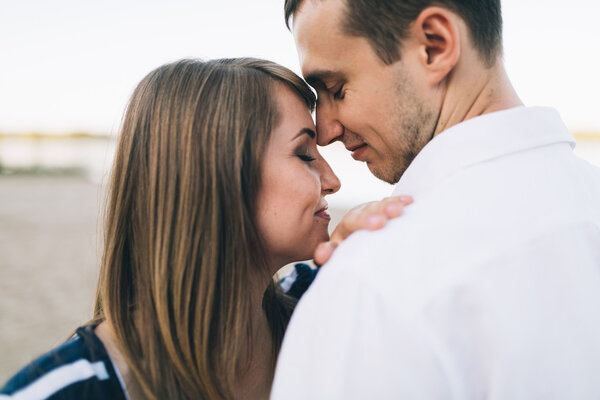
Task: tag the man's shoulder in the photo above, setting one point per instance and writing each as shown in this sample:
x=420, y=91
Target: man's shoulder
x=425, y=229
x=441, y=241
x=391, y=262
x=410, y=281
x=366, y=251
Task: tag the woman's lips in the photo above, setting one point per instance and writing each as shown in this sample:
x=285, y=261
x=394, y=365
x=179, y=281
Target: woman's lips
x=323, y=213
x=358, y=152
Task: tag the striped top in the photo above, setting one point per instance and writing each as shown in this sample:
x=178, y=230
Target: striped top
x=298, y=281
x=78, y=369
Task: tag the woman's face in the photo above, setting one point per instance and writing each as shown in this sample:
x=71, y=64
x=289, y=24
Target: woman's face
x=292, y=211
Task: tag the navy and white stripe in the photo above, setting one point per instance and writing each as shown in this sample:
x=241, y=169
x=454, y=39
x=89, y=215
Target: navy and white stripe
x=298, y=281
x=78, y=369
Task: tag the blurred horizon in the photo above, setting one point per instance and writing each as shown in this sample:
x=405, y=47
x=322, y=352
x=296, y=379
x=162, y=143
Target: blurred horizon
x=90, y=157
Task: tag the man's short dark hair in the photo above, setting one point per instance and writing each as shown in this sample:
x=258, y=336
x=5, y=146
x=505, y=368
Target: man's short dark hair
x=384, y=23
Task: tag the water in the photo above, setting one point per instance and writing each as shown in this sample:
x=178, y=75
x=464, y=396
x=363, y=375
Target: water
x=92, y=157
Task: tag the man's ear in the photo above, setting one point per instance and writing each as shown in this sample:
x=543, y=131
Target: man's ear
x=438, y=39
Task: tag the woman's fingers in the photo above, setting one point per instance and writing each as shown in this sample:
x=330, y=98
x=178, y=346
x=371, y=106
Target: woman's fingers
x=370, y=216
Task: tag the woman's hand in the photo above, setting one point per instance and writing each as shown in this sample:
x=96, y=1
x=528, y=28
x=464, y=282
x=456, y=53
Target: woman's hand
x=371, y=216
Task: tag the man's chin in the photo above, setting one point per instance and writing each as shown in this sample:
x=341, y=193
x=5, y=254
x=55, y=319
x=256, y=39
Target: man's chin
x=385, y=175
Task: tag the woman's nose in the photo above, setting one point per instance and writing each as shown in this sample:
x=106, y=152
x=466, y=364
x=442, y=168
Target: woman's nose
x=329, y=181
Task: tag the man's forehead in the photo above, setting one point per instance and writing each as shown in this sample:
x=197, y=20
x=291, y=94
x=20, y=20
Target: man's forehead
x=311, y=3
x=316, y=29
x=311, y=9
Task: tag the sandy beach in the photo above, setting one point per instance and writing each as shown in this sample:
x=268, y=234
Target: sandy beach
x=48, y=264
x=49, y=258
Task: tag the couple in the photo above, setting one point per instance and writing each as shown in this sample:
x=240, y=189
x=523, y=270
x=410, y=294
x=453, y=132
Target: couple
x=487, y=287
x=217, y=183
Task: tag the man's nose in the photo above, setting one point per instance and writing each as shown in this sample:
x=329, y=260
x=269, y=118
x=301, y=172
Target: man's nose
x=329, y=128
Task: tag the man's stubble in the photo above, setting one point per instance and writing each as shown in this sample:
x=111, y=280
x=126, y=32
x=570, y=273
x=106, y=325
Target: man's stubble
x=413, y=124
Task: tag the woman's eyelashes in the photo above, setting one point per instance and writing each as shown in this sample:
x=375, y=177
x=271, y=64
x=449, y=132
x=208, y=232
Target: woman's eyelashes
x=305, y=157
x=305, y=154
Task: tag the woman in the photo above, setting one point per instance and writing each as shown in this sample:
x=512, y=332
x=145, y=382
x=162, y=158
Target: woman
x=216, y=184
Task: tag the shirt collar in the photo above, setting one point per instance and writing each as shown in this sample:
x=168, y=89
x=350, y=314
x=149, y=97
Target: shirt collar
x=481, y=139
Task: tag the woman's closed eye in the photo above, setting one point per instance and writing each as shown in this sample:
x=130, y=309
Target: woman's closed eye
x=306, y=149
x=305, y=157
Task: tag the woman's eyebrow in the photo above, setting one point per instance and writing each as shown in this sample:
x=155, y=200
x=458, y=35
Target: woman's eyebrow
x=305, y=131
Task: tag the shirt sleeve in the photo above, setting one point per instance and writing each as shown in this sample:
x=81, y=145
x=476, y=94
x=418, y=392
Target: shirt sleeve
x=345, y=342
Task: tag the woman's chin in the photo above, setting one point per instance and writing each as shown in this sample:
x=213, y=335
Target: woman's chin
x=307, y=246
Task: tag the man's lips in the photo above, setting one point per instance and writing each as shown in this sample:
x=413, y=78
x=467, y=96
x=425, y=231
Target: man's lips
x=323, y=213
x=358, y=151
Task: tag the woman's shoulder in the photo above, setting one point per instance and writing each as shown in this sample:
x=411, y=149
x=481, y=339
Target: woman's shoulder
x=78, y=369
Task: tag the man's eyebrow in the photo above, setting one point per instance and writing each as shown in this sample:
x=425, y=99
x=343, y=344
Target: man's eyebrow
x=316, y=78
x=305, y=131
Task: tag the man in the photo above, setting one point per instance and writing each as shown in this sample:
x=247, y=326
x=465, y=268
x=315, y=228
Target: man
x=489, y=285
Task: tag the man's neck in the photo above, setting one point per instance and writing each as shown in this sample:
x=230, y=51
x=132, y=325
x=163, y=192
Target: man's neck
x=474, y=92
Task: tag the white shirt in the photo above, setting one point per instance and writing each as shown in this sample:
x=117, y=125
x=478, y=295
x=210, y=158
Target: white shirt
x=488, y=287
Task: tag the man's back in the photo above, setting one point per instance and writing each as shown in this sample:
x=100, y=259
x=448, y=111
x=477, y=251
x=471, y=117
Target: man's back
x=488, y=287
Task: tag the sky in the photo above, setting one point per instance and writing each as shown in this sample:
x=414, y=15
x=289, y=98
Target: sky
x=70, y=65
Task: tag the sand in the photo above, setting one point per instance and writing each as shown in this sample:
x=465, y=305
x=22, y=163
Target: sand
x=48, y=263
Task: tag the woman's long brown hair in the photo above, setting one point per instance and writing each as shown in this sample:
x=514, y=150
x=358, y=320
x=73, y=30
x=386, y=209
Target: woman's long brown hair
x=181, y=236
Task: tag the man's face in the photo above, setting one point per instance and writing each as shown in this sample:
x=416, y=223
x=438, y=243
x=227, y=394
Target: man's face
x=375, y=109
